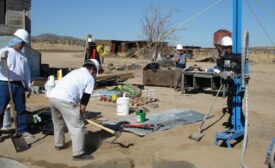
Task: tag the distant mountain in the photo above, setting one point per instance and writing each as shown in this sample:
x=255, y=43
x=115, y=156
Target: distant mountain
x=57, y=39
x=51, y=37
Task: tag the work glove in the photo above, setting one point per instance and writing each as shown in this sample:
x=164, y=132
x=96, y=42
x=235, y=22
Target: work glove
x=36, y=119
x=4, y=55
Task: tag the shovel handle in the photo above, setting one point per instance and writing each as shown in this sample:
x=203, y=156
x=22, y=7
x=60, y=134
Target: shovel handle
x=12, y=106
x=101, y=126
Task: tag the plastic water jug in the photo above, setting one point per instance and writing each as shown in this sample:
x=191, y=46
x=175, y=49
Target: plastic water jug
x=123, y=105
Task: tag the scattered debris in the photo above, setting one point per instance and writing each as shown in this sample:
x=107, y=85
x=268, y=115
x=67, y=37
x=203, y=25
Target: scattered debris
x=195, y=68
x=139, y=101
x=206, y=59
x=153, y=105
x=133, y=66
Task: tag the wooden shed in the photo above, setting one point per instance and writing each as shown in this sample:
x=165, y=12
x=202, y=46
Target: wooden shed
x=15, y=14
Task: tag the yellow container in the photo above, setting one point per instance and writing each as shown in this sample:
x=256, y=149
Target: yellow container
x=59, y=74
x=114, y=97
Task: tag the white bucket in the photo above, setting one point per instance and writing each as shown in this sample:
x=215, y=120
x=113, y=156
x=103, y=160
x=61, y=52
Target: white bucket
x=122, y=106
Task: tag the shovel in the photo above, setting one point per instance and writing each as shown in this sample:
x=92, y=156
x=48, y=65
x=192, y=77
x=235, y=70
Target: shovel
x=117, y=134
x=197, y=136
x=18, y=141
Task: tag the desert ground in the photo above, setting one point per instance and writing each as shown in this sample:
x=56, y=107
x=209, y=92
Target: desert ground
x=162, y=149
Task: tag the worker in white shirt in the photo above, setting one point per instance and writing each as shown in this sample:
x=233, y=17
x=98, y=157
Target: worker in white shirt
x=20, y=77
x=73, y=89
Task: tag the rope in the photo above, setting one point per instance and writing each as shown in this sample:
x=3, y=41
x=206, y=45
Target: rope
x=201, y=12
x=259, y=22
x=245, y=129
x=265, y=8
x=245, y=83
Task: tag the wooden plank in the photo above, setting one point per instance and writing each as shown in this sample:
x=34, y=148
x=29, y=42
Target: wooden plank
x=7, y=30
x=124, y=75
x=15, y=18
x=139, y=101
x=15, y=5
x=40, y=83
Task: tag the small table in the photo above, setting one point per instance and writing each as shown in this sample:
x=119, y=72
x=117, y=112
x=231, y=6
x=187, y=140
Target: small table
x=194, y=80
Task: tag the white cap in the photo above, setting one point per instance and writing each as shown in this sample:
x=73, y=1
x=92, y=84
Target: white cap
x=23, y=35
x=179, y=47
x=226, y=41
x=92, y=62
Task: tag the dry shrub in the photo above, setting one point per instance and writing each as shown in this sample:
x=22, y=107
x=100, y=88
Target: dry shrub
x=262, y=58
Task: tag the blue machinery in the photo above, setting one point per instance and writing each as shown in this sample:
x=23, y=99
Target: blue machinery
x=236, y=77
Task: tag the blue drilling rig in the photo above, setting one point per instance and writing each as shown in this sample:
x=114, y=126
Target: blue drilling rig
x=235, y=75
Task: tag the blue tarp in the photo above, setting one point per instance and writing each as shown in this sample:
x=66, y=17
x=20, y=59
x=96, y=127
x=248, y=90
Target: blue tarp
x=166, y=120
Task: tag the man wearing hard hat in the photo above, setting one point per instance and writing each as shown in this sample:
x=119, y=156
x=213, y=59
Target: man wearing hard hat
x=226, y=46
x=68, y=101
x=180, y=65
x=20, y=77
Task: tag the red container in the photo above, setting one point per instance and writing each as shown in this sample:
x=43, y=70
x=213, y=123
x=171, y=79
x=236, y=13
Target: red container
x=218, y=35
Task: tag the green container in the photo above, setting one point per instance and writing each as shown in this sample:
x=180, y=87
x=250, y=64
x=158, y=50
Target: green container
x=141, y=116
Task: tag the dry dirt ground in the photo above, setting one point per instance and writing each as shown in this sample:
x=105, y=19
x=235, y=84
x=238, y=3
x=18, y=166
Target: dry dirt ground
x=164, y=149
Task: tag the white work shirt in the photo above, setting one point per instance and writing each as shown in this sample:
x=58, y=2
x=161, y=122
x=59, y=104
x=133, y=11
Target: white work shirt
x=18, y=66
x=72, y=86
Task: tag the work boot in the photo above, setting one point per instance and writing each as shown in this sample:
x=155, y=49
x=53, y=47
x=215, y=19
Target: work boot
x=7, y=130
x=59, y=148
x=83, y=157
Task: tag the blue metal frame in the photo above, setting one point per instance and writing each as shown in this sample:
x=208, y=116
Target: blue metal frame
x=238, y=129
x=237, y=27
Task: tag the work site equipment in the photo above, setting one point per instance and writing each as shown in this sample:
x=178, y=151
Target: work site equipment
x=91, y=53
x=117, y=134
x=23, y=35
x=18, y=141
x=198, y=135
x=235, y=75
x=153, y=127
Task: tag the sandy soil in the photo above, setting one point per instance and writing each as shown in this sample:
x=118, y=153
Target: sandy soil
x=171, y=148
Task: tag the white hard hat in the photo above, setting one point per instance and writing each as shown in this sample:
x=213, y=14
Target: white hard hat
x=179, y=47
x=226, y=41
x=23, y=35
x=92, y=62
x=89, y=39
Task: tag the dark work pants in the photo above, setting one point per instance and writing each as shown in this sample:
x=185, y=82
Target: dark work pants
x=18, y=93
x=178, y=75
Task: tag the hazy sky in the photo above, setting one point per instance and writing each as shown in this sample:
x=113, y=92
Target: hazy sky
x=121, y=19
